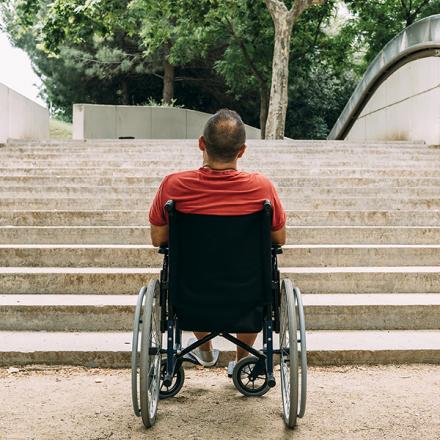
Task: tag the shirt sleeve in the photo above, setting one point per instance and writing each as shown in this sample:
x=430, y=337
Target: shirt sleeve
x=157, y=215
x=279, y=215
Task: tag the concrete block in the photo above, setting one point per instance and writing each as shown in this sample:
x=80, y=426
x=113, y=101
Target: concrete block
x=195, y=123
x=94, y=121
x=78, y=122
x=20, y=117
x=91, y=121
x=133, y=121
x=252, y=132
x=168, y=123
x=4, y=114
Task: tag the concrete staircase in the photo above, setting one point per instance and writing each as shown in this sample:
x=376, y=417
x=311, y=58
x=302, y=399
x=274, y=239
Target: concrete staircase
x=363, y=245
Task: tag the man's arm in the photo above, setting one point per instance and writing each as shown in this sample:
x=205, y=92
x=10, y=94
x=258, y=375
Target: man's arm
x=159, y=235
x=279, y=237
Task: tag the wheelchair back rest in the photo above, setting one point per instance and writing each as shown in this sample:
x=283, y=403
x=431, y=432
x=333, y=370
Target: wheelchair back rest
x=220, y=269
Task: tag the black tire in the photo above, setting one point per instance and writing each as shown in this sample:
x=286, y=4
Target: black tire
x=243, y=380
x=150, y=356
x=289, y=362
x=176, y=384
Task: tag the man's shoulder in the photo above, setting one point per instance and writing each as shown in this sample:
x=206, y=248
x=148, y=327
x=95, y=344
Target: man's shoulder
x=177, y=175
x=259, y=179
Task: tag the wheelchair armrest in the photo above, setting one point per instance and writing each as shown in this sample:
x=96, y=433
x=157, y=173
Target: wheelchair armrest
x=277, y=249
x=163, y=250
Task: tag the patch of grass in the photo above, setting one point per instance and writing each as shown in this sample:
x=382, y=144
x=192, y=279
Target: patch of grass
x=60, y=129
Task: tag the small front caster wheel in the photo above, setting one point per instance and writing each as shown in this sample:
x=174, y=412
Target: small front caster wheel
x=250, y=377
x=176, y=384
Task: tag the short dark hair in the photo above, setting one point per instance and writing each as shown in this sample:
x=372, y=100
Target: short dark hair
x=224, y=135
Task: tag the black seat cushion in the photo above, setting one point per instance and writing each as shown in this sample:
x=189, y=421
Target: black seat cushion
x=220, y=274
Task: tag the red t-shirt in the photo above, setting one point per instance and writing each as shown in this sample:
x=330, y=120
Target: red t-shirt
x=209, y=192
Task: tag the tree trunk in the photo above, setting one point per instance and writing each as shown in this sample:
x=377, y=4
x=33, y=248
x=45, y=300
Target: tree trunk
x=264, y=106
x=168, y=82
x=276, y=119
x=124, y=93
x=283, y=20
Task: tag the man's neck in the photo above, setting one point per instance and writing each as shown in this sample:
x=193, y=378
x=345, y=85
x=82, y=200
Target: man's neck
x=220, y=166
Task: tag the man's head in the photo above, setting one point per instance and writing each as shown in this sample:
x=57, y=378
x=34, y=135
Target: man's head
x=224, y=136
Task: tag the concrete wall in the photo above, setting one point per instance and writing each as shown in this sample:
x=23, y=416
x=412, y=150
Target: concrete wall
x=20, y=117
x=406, y=106
x=92, y=121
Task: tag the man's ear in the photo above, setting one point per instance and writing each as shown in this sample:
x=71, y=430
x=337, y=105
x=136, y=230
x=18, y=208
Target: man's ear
x=202, y=143
x=242, y=150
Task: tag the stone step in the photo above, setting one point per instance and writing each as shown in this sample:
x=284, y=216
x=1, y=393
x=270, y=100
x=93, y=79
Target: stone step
x=192, y=148
x=188, y=144
x=175, y=162
x=120, y=143
x=139, y=235
x=194, y=158
x=22, y=181
x=132, y=192
x=349, y=172
x=113, y=349
x=82, y=255
x=79, y=313
x=38, y=202
x=126, y=281
x=294, y=218
x=194, y=155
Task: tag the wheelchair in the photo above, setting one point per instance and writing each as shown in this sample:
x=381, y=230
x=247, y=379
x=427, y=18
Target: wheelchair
x=220, y=276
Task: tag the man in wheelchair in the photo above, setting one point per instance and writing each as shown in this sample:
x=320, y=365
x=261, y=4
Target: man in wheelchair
x=219, y=230
x=218, y=188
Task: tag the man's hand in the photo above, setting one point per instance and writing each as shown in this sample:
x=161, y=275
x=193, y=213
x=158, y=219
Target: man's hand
x=279, y=237
x=159, y=235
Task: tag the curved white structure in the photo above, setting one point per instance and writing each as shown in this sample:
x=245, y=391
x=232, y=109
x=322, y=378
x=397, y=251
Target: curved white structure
x=399, y=95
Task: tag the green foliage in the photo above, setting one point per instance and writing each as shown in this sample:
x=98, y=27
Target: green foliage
x=374, y=23
x=153, y=103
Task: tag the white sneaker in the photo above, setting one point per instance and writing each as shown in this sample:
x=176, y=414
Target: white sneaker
x=204, y=358
x=231, y=367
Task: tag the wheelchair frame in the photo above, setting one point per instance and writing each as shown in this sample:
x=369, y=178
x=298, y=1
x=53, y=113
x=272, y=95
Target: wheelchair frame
x=286, y=300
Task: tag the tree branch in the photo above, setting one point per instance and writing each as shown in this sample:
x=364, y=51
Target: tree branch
x=318, y=28
x=246, y=56
x=276, y=7
x=299, y=6
x=416, y=12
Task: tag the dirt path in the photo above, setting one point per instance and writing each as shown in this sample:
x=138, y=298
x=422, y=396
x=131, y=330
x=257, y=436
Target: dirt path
x=344, y=403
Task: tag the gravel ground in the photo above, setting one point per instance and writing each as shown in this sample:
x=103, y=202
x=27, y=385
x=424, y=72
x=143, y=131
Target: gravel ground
x=386, y=402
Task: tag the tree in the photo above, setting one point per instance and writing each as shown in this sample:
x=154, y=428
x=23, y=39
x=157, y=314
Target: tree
x=244, y=50
x=284, y=19
x=375, y=23
x=323, y=72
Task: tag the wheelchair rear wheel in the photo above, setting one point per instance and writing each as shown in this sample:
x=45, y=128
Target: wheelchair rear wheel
x=299, y=308
x=289, y=365
x=150, y=356
x=250, y=377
